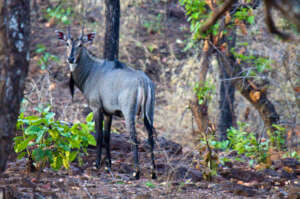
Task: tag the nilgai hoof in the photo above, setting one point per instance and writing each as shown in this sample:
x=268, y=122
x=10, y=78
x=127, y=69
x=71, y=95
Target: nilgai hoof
x=154, y=176
x=136, y=175
x=98, y=164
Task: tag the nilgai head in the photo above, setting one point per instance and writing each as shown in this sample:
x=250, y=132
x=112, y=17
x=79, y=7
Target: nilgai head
x=74, y=46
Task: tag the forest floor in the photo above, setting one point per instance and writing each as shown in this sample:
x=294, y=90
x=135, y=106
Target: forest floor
x=179, y=173
x=178, y=177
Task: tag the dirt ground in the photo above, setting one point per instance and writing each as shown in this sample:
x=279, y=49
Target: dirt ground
x=149, y=49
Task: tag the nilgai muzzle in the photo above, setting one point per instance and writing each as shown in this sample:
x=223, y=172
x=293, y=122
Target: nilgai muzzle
x=111, y=88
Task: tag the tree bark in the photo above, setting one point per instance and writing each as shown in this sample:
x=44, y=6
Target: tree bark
x=14, y=62
x=112, y=17
x=226, y=103
x=262, y=104
x=200, y=111
x=226, y=63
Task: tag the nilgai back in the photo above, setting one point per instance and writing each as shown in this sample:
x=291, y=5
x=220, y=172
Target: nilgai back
x=111, y=88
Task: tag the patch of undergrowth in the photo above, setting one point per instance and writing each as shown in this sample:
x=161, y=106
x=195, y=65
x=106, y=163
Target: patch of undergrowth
x=248, y=147
x=47, y=141
x=246, y=144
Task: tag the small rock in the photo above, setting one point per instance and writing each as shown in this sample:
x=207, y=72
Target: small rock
x=176, y=10
x=240, y=189
x=187, y=173
x=172, y=148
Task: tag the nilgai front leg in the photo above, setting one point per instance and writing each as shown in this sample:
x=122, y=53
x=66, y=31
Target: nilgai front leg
x=99, y=130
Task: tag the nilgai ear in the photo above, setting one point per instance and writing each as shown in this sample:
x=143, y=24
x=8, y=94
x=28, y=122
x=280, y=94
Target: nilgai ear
x=89, y=37
x=61, y=35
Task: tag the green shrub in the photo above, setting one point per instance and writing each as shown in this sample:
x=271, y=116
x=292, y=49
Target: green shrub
x=277, y=137
x=52, y=142
x=204, y=92
x=247, y=144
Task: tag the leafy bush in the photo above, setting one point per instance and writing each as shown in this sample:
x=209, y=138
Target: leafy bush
x=247, y=144
x=277, y=138
x=48, y=141
x=204, y=92
x=244, y=143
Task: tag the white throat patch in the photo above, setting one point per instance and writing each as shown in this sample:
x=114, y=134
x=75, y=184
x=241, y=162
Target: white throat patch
x=72, y=67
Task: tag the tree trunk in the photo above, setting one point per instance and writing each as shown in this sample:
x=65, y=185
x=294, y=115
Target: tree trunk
x=226, y=63
x=14, y=62
x=260, y=102
x=226, y=103
x=112, y=17
x=200, y=111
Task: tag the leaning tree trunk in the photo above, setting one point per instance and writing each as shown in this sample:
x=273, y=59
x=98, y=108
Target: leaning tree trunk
x=200, y=111
x=14, y=62
x=258, y=98
x=111, y=43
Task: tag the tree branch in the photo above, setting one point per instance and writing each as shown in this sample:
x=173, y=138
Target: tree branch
x=217, y=13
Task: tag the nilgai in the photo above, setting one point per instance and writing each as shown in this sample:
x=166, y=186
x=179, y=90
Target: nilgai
x=111, y=88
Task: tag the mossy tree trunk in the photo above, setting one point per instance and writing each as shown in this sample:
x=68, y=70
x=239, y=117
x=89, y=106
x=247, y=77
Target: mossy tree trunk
x=14, y=62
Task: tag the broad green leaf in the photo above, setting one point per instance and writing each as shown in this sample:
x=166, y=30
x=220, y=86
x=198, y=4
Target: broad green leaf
x=53, y=133
x=74, y=129
x=49, y=115
x=73, y=155
x=75, y=143
x=23, y=145
x=90, y=116
x=47, y=109
x=91, y=139
x=84, y=129
x=250, y=19
x=32, y=118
